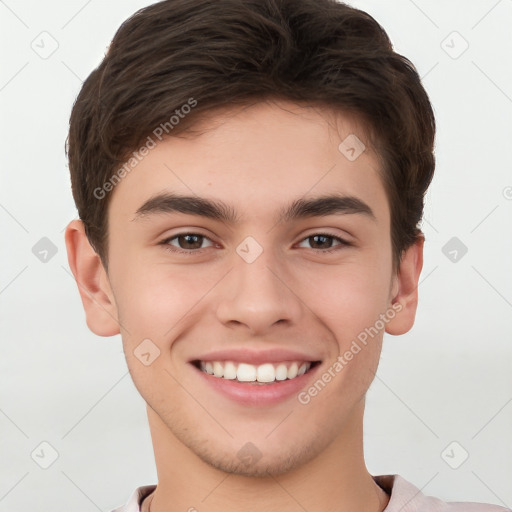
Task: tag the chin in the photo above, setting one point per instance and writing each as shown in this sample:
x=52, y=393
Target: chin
x=249, y=461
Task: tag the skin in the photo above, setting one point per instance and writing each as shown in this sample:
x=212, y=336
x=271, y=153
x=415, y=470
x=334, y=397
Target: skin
x=256, y=159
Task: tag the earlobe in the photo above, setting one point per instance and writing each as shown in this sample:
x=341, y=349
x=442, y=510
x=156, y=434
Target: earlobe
x=92, y=280
x=404, y=299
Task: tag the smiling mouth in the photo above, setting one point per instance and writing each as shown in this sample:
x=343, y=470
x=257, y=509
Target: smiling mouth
x=266, y=373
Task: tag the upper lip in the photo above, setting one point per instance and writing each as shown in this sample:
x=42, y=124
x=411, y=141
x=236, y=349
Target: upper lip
x=255, y=357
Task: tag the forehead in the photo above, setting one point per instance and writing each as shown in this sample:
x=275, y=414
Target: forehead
x=255, y=156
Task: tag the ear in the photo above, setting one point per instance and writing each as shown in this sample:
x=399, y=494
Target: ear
x=92, y=280
x=404, y=296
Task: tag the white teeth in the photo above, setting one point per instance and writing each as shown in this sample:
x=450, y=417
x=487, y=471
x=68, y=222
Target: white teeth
x=244, y=372
x=292, y=371
x=229, y=371
x=302, y=369
x=266, y=373
x=218, y=370
x=281, y=372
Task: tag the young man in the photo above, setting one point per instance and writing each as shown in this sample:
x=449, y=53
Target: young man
x=249, y=176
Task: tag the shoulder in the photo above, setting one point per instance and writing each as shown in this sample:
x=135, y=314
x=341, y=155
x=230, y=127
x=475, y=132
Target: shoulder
x=405, y=497
x=134, y=502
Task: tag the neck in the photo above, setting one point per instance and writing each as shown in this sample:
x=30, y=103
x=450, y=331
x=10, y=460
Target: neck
x=336, y=480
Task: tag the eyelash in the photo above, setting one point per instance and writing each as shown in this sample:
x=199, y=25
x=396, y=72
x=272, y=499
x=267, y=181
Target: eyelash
x=174, y=250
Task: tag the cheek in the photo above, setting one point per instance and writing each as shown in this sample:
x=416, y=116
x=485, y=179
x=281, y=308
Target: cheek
x=158, y=302
x=348, y=304
x=347, y=298
x=154, y=307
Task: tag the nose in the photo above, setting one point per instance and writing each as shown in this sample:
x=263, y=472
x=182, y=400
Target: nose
x=259, y=295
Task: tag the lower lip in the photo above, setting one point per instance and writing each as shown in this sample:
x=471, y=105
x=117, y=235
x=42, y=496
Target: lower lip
x=247, y=393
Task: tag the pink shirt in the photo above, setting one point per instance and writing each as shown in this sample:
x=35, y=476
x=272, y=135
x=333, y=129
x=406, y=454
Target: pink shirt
x=404, y=497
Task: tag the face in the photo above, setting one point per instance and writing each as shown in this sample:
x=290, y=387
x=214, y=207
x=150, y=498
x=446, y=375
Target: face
x=271, y=299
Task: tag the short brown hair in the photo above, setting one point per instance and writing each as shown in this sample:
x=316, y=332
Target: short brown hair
x=224, y=53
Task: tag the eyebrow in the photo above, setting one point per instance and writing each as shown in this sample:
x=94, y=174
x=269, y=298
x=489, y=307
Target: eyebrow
x=318, y=206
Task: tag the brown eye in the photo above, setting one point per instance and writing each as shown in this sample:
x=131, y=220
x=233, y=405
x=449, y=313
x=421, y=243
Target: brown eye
x=186, y=242
x=323, y=242
x=190, y=241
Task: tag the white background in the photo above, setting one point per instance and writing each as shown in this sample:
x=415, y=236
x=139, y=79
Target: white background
x=447, y=380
